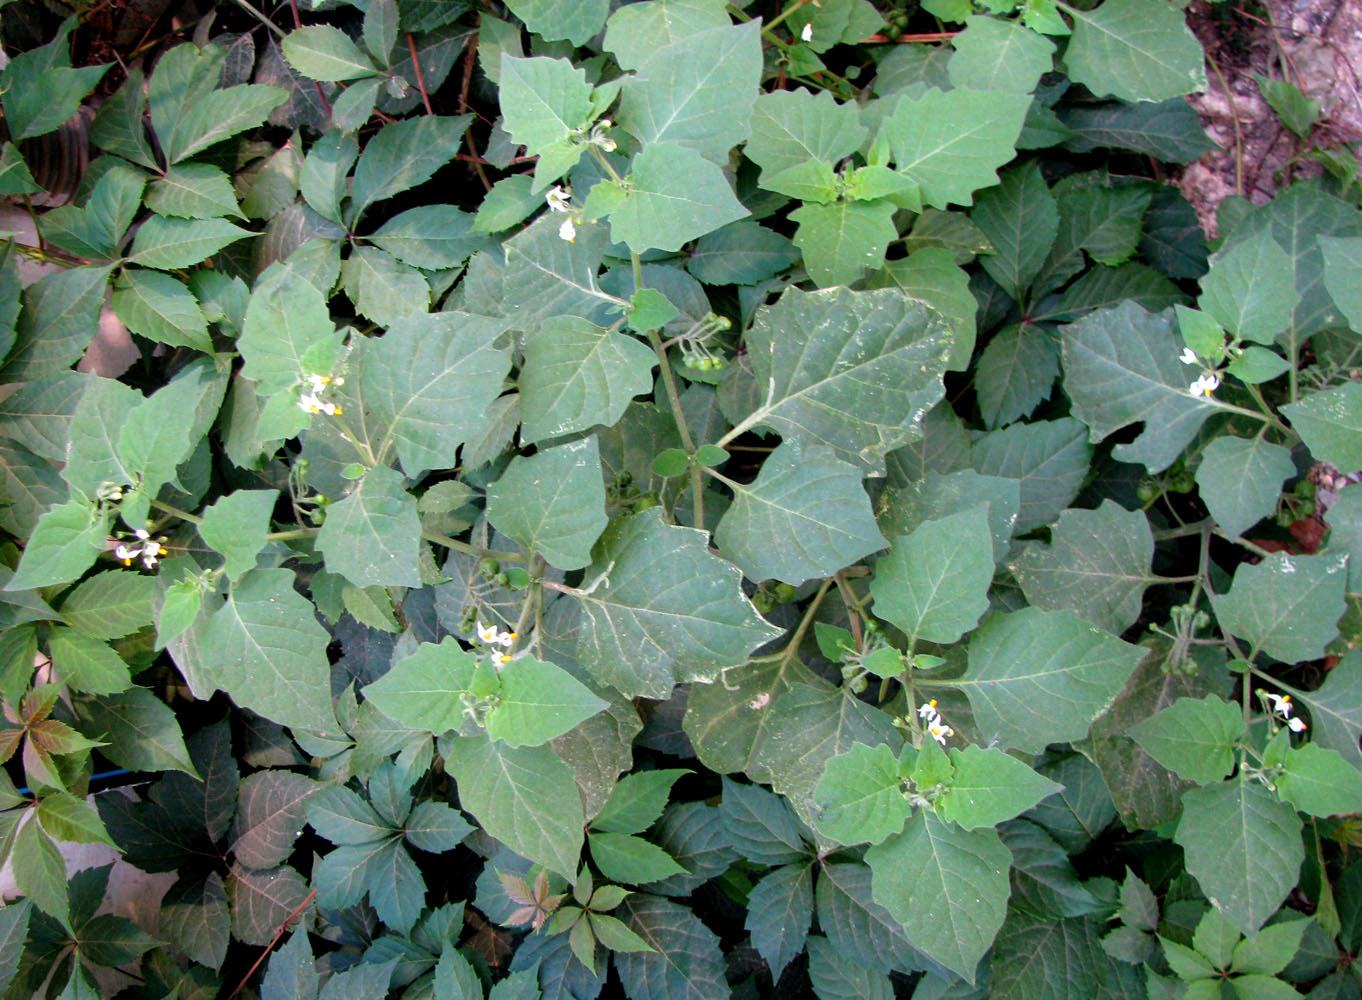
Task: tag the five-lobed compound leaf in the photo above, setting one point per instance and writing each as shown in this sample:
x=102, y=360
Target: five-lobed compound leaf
x=1137, y=50
x=658, y=608
x=552, y=502
x=990, y=787
x=1193, y=737
x=373, y=536
x=1037, y=677
x=859, y=799
x=1239, y=480
x=1287, y=606
x=636, y=801
x=779, y=912
x=806, y=515
x=1243, y=846
x=631, y=860
x=1020, y=218
x=538, y=702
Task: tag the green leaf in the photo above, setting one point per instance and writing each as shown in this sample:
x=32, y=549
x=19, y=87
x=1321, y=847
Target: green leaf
x=1020, y=218
x=1048, y=458
x=854, y=370
x=1240, y=480
x=634, y=33
x=518, y=796
x=13, y=930
x=193, y=191
x=67, y=818
x=937, y=496
x=577, y=375
x=511, y=200
x=92, y=454
x=1137, y=50
x=696, y=92
x=992, y=54
x=215, y=116
x=549, y=276
x=1345, y=534
x=840, y=241
x=1258, y=365
x=1330, y=423
x=811, y=181
x=859, y=799
x=934, y=582
x=931, y=274
x=110, y=605
x=953, y=142
x=552, y=502
x=671, y=196
x=1319, y=782
x=1015, y=373
x=1120, y=366
x=236, y=527
x=59, y=319
x=1038, y=677
x=179, y=607
x=685, y=960
x=1286, y=606
x=947, y=886
x=433, y=237
x=538, y=702
x=162, y=430
x=342, y=817
x=1251, y=288
x=1243, y=846
x=287, y=333
x=40, y=872
x=38, y=415
x=270, y=810
x=1097, y=564
x=1194, y=737
x=87, y=664
x=761, y=825
x=40, y=88
x=990, y=787
x=862, y=929
x=1049, y=957
x=268, y=653
x=157, y=306
x=424, y=690
x=1166, y=130
x=324, y=53
x=575, y=20
x=793, y=127
x=779, y=911
x=15, y=178
x=660, y=608
x=806, y=515
x=545, y=103
x=630, y=860
x=292, y=973
x=166, y=243
x=382, y=288
x=834, y=978
x=65, y=543
x=404, y=154
x=1271, y=949
x=140, y=731
x=1343, y=275
x=636, y=801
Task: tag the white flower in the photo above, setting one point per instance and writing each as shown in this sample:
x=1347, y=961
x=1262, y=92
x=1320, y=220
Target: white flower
x=1188, y=356
x=927, y=710
x=939, y=731
x=1296, y=725
x=126, y=554
x=148, y=549
x=558, y=198
x=311, y=401
x=807, y=32
x=1281, y=703
x=567, y=231
x=493, y=636
x=1205, y=385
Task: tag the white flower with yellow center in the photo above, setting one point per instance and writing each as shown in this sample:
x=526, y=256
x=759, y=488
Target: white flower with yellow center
x=939, y=731
x=1188, y=356
x=1205, y=385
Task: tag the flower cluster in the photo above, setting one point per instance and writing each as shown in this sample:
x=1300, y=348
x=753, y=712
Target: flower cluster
x=493, y=636
x=146, y=548
x=1282, y=707
x=312, y=401
x=938, y=729
x=559, y=199
x=1207, y=382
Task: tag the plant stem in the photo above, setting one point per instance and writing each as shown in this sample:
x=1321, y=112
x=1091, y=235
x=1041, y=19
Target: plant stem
x=183, y=515
x=472, y=550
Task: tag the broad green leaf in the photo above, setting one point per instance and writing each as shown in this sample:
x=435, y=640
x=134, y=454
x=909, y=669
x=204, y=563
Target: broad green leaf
x=292, y=973
x=538, y=702
x=575, y=20
x=511, y=200
x=861, y=928
x=545, y=103
x=934, y=582
x=659, y=608
x=1193, y=737
x=324, y=53
x=1015, y=373
x=859, y=799
x=842, y=240
x=834, y=978
x=268, y=653
x=64, y=544
x=953, y=142
x=947, y=886
x=373, y=536
x=1038, y=677
x=1345, y=534
x=1121, y=366
x=382, y=288
x=193, y=191
x=577, y=375
x=158, y=306
x=671, y=196
x=938, y=495
x=990, y=787
x=1270, y=950
x=1166, y=130
x=162, y=430
x=696, y=92
x=552, y=502
x=167, y=243
x=779, y=911
x=433, y=237
x=1082, y=809
x=685, y=960
x=1320, y=782
x=323, y=179
x=523, y=796
x=630, y=860
x=806, y=515
x=1097, y=564
x=1243, y=846
x=548, y=276
x=1137, y=50
x=1240, y=480
x=793, y=127
x=13, y=931
x=59, y=319
x=140, y=731
x=404, y=154
x=87, y=664
x=218, y=115
x=15, y=178
x=110, y=605
x=1045, y=956
x=1251, y=289
x=854, y=370
x=1343, y=275
x=236, y=527
x=1048, y=458
x=41, y=89
x=993, y=54
x=424, y=690
x=1286, y=606
x=429, y=383
x=96, y=229
x=1330, y=423
x=635, y=32
x=1020, y=218
x=931, y=274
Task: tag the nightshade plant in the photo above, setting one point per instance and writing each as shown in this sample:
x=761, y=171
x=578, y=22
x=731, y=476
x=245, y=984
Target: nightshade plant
x=666, y=499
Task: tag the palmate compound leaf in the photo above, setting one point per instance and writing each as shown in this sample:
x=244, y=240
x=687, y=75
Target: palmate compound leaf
x=523, y=796
x=577, y=374
x=853, y=370
x=859, y=799
x=1243, y=845
x=1287, y=606
x=1120, y=366
x=1097, y=564
x=1193, y=737
x=1137, y=50
x=684, y=960
x=1037, y=677
x=658, y=608
x=779, y=910
x=934, y=582
x=552, y=502
x=806, y=515
x=1020, y=218
x=373, y=536
x=946, y=885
